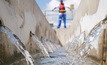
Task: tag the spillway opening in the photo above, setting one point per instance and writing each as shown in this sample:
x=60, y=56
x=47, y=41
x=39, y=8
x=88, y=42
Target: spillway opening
x=0, y=23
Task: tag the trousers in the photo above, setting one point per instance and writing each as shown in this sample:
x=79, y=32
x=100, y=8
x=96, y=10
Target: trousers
x=62, y=16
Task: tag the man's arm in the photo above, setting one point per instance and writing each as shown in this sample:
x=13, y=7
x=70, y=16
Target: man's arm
x=69, y=8
x=54, y=8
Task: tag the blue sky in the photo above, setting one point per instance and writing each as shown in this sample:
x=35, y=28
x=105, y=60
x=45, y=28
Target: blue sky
x=42, y=3
x=48, y=4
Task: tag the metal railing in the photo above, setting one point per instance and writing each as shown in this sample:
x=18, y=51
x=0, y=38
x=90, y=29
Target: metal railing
x=53, y=15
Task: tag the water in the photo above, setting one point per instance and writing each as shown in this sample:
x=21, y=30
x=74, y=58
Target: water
x=68, y=55
x=82, y=48
x=62, y=57
x=47, y=45
x=40, y=45
x=16, y=41
x=95, y=32
x=75, y=52
x=75, y=43
x=86, y=47
x=51, y=46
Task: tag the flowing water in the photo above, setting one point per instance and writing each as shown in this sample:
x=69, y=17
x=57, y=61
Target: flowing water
x=51, y=46
x=95, y=32
x=73, y=53
x=16, y=41
x=86, y=47
x=82, y=50
x=40, y=45
x=47, y=45
x=67, y=55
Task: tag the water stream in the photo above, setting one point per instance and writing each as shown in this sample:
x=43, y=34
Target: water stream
x=40, y=45
x=84, y=49
x=20, y=46
x=94, y=33
x=73, y=53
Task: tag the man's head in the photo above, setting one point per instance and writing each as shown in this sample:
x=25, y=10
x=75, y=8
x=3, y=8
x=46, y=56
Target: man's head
x=61, y=1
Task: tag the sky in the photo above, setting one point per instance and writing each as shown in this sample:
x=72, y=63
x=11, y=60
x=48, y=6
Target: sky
x=50, y=4
x=42, y=3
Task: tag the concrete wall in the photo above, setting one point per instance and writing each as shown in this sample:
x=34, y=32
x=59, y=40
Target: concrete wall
x=24, y=16
x=64, y=35
x=89, y=13
x=21, y=17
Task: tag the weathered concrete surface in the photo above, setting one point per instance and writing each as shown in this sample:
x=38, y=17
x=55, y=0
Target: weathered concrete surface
x=21, y=17
x=103, y=48
x=88, y=15
x=64, y=35
x=86, y=7
x=24, y=16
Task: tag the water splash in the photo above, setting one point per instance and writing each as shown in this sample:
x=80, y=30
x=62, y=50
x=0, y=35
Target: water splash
x=82, y=48
x=72, y=48
x=51, y=46
x=68, y=55
x=95, y=32
x=40, y=45
x=47, y=45
x=16, y=41
x=75, y=43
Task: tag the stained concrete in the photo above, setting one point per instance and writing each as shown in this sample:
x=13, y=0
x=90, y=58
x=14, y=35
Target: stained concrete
x=23, y=17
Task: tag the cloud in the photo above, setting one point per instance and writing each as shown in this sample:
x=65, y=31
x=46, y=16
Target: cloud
x=55, y=3
x=52, y=4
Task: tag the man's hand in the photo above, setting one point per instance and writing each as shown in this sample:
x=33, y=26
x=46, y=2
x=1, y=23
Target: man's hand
x=69, y=8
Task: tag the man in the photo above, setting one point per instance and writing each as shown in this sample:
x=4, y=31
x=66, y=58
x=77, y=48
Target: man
x=62, y=14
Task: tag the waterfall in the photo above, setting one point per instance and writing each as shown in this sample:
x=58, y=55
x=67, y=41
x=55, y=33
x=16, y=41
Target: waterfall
x=81, y=47
x=20, y=46
x=94, y=33
x=40, y=45
x=47, y=45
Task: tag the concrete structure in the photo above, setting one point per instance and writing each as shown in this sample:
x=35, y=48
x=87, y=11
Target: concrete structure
x=88, y=14
x=21, y=17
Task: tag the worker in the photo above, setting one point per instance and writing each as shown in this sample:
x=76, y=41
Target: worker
x=62, y=14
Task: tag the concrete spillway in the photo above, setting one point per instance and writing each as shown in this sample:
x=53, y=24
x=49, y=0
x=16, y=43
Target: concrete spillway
x=24, y=17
